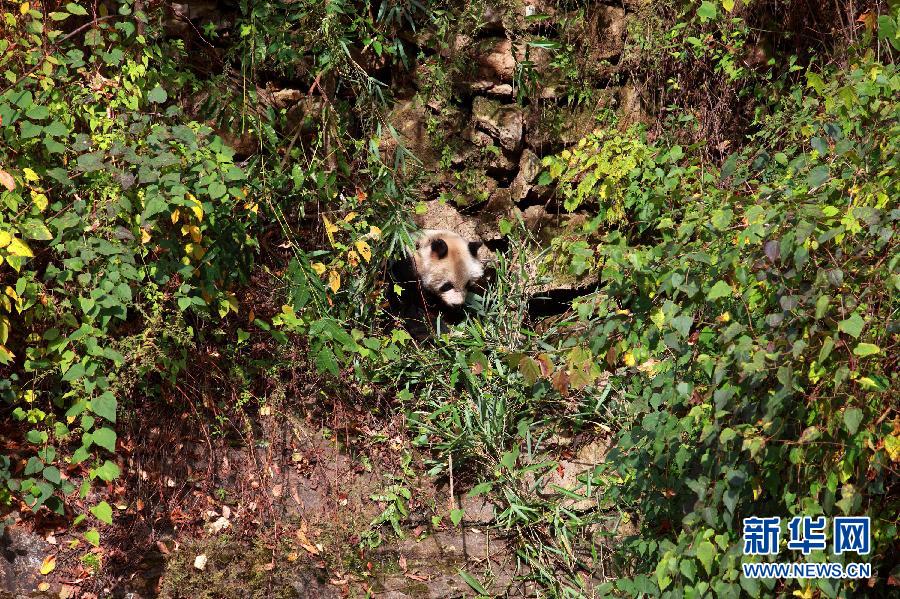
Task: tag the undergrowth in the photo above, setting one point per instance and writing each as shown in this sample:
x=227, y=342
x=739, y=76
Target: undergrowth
x=735, y=347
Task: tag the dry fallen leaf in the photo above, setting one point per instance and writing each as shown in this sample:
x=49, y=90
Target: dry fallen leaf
x=67, y=591
x=200, y=561
x=6, y=180
x=306, y=543
x=44, y=587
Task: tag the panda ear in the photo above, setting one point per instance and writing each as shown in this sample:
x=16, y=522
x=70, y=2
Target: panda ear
x=439, y=247
x=474, y=246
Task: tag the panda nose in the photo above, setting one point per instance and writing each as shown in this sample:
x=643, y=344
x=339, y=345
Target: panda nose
x=453, y=298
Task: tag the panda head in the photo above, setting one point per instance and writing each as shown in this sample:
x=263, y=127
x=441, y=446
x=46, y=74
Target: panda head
x=447, y=264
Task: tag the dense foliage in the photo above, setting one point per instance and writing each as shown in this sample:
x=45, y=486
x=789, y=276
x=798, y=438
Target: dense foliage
x=737, y=348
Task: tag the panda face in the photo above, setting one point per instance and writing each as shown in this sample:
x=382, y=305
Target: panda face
x=447, y=264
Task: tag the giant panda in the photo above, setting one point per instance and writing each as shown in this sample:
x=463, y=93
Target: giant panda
x=433, y=280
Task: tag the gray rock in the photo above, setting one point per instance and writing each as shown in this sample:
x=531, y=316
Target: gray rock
x=529, y=166
x=21, y=555
x=504, y=122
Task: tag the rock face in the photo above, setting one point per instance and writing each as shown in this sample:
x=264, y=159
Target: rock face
x=503, y=122
x=607, y=29
x=496, y=62
x=21, y=555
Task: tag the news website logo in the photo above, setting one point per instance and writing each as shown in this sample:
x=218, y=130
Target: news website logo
x=807, y=534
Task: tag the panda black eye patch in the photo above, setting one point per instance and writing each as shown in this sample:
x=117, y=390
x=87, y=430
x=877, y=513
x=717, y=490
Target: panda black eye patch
x=439, y=247
x=445, y=287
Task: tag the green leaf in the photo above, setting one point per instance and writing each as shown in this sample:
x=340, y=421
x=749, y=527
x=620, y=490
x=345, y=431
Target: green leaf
x=51, y=473
x=852, y=418
x=707, y=11
x=688, y=568
x=157, y=95
x=720, y=289
x=853, y=325
x=866, y=349
x=76, y=9
x=470, y=580
x=92, y=537
x=35, y=229
x=33, y=466
x=108, y=471
x=683, y=323
x=456, y=516
x=817, y=176
x=481, y=489
x=706, y=551
x=105, y=437
x=508, y=460
x=36, y=437
x=103, y=512
x=105, y=406
x=75, y=372
x=216, y=189
x=727, y=435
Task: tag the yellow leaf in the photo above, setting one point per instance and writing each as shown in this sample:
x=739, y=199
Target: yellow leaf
x=30, y=175
x=7, y=180
x=44, y=587
x=628, y=358
x=176, y=214
x=24, y=8
x=330, y=229
x=806, y=593
x=145, y=236
x=17, y=247
x=48, y=565
x=194, y=231
x=374, y=232
x=350, y=216
x=5, y=238
x=318, y=268
x=364, y=250
x=40, y=200
x=334, y=281
x=892, y=447
x=197, y=209
x=5, y=355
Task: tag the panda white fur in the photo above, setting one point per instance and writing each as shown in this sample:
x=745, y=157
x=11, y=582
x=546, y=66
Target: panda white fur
x=434, y=278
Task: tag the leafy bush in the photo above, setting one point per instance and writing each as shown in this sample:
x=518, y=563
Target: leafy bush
x=111, y=203
x=754, y=329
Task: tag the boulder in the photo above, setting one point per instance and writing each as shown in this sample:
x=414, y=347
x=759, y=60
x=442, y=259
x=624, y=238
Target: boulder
x=21, y=554
x=496, y=61
x=606, y=27
x=504, y=122
x=529, y=167
x=441, y=215
x=631, y=106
